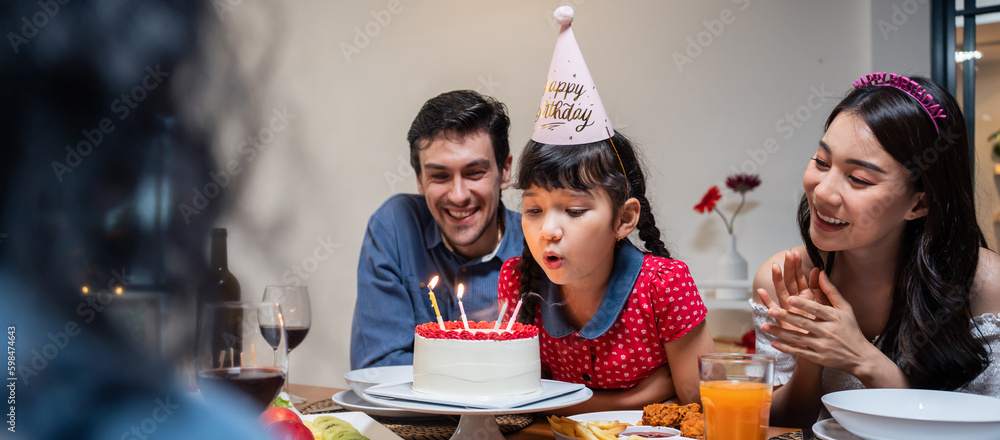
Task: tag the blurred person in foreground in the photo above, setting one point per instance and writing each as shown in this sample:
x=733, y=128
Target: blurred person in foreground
x=457, y=228
x=95, y=161
x=894, y=286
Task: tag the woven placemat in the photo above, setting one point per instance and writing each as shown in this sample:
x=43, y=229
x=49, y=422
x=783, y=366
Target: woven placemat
x=432, y=428
x=788, y=436
x=325, y=403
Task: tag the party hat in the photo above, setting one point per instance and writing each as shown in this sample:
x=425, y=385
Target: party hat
x=571, y=111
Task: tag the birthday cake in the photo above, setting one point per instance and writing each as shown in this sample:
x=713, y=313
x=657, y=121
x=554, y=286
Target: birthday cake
x=479, y=362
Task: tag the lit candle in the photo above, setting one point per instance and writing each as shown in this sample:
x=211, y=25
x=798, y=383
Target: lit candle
x=430, y=287
x=514, y=316
x=503, y=309
x=461, y=291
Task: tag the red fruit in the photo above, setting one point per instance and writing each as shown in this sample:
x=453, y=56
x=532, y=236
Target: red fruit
x=289, y=430
x=276, y=414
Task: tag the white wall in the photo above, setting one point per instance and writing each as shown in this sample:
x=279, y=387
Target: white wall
x=901, y=36
x=344, y=152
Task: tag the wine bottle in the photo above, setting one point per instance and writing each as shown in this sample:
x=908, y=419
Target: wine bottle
x=220, y=284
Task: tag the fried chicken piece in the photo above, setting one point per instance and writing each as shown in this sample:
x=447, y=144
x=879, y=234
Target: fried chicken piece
x=693, y=426
x=669, y=414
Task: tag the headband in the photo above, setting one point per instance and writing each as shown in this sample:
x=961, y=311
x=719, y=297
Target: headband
x=914, y=90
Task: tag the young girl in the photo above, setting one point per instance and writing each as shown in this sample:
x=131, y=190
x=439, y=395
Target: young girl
x=901, y=291
x=626, y=323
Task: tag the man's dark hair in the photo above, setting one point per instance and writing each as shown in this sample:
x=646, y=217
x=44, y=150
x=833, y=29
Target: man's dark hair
x=460, y=113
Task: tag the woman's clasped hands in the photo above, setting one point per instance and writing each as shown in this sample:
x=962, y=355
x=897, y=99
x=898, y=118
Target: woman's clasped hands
x=815, y=323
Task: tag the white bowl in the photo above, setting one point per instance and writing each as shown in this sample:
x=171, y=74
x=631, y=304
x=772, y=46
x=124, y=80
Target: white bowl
x=915, y=414
x=360, y=380
x=639, y=430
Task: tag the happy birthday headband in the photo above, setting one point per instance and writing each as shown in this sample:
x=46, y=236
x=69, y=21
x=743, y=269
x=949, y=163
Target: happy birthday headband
x=916, y=91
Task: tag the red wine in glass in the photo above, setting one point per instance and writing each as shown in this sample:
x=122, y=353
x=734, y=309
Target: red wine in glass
x=261, y=385
x=294, y=302
x=295, y=335
x=234, y=353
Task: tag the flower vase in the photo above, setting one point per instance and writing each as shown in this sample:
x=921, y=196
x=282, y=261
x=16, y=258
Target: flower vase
x=731, y=266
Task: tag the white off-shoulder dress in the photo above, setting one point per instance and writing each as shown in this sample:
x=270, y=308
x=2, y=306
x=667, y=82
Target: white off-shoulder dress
x=985, y=327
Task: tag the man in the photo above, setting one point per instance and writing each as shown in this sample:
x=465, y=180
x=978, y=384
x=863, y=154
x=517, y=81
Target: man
x=456, y=229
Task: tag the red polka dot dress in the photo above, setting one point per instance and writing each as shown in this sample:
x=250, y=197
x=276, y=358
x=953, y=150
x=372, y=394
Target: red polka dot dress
x=650, y=301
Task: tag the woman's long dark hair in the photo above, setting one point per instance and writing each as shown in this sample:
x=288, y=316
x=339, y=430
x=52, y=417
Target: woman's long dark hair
x=584, y=167
x=929, y=331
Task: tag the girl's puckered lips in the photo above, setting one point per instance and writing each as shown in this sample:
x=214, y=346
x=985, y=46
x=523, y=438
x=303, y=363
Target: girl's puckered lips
x=551, y=260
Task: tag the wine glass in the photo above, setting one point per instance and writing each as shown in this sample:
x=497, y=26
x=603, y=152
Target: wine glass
x=234, y=357
x=294, y=301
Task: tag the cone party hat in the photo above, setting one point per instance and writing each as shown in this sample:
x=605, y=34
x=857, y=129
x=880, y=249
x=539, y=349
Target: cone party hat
x=571, y=111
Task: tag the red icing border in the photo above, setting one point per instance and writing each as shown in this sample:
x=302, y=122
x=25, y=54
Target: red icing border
x=456, y=330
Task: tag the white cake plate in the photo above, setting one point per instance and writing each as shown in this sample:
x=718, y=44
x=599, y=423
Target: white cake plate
x=480, y=423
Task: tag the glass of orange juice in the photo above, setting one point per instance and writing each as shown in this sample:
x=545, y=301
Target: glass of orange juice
x=736, y=395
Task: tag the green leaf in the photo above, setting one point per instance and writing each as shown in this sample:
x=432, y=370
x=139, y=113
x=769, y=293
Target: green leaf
x=278, y=401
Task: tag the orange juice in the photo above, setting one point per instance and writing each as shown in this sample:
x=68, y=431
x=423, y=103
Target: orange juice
x=736, y=410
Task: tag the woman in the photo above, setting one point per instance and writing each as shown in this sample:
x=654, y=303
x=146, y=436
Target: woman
x=901, y=291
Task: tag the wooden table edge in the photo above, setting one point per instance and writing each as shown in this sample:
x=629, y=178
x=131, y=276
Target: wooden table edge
x=538, y=430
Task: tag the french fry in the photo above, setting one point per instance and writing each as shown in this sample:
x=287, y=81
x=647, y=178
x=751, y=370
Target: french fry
x=601, y=433
x=613, y=427
x=594, y=430
x=605, y=424
x=616, y=430
x=583, y=432
x=563, y=425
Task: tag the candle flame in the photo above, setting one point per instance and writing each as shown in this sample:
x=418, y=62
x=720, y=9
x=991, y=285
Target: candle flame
x=433, y=283
x=461, y=290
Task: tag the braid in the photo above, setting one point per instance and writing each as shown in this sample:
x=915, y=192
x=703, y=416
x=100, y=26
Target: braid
x=648, y=232
x=531, y=274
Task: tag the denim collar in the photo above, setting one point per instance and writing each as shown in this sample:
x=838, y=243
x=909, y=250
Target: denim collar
x=628, y=263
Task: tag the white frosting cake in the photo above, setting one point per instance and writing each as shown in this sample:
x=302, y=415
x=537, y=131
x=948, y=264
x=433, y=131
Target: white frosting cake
x=449, y=363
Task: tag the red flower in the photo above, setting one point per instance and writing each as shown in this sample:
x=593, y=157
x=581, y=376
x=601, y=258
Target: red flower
x=749, y=341
x=742, y=183
x=708, y=201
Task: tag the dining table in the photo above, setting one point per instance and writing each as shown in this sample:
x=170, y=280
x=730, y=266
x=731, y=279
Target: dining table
x=537, y=430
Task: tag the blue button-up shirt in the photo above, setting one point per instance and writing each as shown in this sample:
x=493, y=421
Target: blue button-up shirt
x=403, y=249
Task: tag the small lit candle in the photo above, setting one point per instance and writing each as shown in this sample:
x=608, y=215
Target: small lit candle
x=514, y=316
x=430, y=287
x=461, y=308
x=503, y=309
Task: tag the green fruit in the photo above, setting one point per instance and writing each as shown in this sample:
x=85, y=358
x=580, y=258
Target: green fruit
x=340, y=433
x=324, y=422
